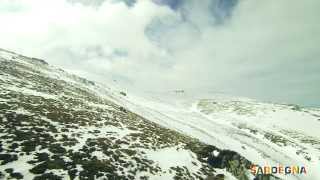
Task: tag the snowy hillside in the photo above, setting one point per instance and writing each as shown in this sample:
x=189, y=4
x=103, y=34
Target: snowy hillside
x=265, y=133
x=54, y=125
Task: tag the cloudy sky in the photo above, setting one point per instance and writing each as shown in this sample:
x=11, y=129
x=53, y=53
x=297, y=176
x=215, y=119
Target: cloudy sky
x=267, y=50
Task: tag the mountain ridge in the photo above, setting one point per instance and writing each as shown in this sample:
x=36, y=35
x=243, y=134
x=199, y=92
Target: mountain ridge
x=187, y=128
x=54, y=125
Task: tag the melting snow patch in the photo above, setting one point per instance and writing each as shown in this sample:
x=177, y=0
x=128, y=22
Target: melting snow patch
x=172, y=157
x=215, y=153
x=91, y=132
x=100, y=155
x=23, y=111
x=21, y=166
x=101, y=106
x=31, y=92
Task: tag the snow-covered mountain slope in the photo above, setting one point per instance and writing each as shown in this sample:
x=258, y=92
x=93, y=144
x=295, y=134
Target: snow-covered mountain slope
x=54, y=125
x=265, y=133
x=57, y=125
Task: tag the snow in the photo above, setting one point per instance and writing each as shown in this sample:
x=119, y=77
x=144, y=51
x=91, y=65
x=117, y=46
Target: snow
x=215, y=153
x=23, y=111
x=219, y=127
x=6, y=55
x=20, y=166
x=32, y=92
x=212, y=118
x=172, y=157
x=101, y=106
x=100, y=155
x=86, y=132
x=228, y=176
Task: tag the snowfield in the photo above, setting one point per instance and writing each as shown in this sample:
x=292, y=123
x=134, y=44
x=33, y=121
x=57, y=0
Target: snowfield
x=265, y=133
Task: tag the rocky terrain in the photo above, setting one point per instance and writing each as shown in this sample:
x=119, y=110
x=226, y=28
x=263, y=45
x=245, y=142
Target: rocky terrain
x=55, y=125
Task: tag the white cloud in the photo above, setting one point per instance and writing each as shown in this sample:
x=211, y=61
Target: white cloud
x=266, y=49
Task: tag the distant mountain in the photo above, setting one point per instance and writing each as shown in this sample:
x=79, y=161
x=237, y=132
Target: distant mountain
x=55, y=125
